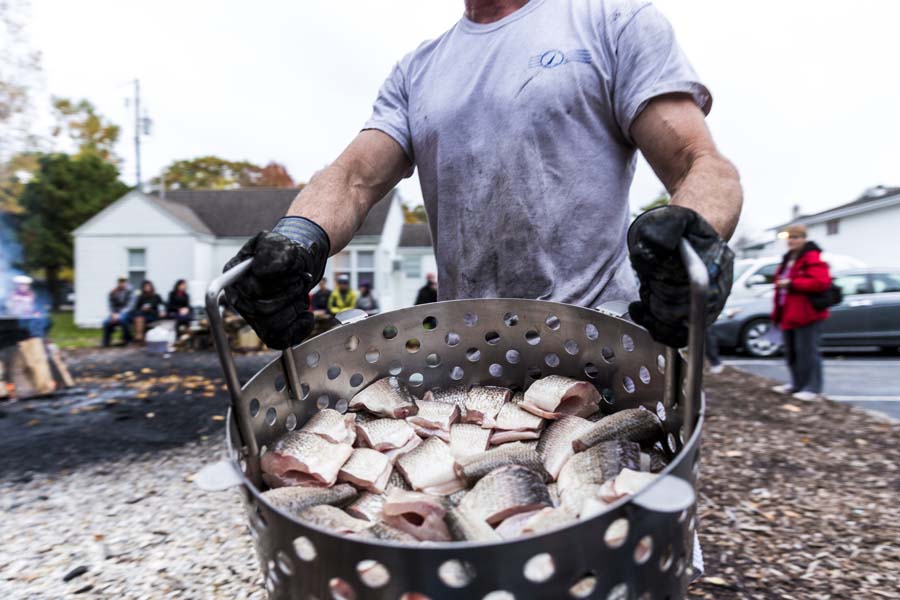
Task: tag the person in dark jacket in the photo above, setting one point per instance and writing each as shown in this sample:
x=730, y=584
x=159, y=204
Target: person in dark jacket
x=179, y=306
x=119, y=304
x=801, y=274
x=366, y=300
x=148, y=307
x=320, y=298
x=428, y=292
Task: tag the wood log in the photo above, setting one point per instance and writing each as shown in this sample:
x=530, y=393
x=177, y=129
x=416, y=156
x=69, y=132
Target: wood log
x=37, y=367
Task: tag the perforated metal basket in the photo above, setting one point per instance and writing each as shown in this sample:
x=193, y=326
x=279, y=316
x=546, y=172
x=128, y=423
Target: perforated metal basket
x=498, y=342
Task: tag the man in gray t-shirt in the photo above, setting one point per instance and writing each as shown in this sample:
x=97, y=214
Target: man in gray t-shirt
x=524, y=120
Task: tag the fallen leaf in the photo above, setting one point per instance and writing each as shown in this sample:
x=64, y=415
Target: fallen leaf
x=218, y=418
x=791, y=408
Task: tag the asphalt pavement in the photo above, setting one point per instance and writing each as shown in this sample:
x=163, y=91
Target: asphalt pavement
x=868, y=381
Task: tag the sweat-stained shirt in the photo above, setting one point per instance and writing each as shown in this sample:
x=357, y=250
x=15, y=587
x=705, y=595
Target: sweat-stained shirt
x=520, y=132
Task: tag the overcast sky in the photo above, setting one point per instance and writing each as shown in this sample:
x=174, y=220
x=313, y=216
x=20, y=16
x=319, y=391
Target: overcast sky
x=806, y=92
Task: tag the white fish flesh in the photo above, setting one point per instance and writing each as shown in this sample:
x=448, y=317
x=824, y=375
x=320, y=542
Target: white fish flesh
x=420, y=515
x=333, y=426
x=367, y=469
x=387, y=397
x=555, y=395
x=384, y=434
x=306, y=457
x=430, y=468
x=435, y=415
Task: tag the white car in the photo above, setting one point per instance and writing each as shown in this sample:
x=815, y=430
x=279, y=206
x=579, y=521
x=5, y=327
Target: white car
x=753, y=277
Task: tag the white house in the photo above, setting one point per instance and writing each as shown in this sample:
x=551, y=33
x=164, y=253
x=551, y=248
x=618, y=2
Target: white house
x=865, y=229
x=191, y=234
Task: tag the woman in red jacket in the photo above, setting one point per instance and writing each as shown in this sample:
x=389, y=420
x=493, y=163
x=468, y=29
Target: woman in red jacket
x=802, y=273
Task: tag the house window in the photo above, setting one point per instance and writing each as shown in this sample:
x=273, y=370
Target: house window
x=365, y=267
x=359, y=265
x=412, y=266
x=832, y=227
x=137, y=267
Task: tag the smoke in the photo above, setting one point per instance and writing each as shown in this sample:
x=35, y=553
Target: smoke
x=10, y=256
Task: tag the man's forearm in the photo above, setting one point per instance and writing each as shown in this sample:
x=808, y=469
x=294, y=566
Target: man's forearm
x=712, y=187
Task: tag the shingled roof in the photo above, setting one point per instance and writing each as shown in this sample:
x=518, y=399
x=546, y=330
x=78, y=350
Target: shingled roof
x=415, y=235
x=243, y=212
x=870, y=197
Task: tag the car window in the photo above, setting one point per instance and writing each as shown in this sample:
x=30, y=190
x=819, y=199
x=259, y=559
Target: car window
x=740, y=267
x=883, y=283
x=768, y=271
x=853, y=284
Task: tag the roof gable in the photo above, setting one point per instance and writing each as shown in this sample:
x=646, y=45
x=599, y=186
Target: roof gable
x=134, y=213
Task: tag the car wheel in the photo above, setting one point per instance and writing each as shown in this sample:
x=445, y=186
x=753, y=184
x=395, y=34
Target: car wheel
x=757, y=340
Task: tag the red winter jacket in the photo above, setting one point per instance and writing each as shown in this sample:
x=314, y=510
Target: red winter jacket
x=809, y=275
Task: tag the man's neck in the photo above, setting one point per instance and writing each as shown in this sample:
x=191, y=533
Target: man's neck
x=488, y=11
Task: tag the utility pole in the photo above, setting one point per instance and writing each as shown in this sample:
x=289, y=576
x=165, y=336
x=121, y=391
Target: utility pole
x=137, y=134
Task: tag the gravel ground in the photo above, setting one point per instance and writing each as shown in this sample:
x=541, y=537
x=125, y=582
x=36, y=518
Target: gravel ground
x=798, y=500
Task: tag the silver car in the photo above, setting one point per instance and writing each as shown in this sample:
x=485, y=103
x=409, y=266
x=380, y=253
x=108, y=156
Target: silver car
x=868, y=316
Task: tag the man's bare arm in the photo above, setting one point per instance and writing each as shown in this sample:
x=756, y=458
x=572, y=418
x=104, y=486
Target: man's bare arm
x=672, y=135
x=339, y=197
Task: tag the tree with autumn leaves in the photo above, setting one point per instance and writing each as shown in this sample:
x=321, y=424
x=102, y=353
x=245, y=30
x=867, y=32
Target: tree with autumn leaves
x=214, y=173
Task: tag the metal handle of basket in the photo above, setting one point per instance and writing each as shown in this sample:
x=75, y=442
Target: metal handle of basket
x=699, y=281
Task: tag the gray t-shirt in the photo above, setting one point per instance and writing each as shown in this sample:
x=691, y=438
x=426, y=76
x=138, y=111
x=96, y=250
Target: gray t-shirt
x=520, y=131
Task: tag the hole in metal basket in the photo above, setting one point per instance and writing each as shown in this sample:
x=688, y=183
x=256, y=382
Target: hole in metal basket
x=395, y=367
x=389, y=332
x=290, y=422
x=284, y=563
x=429, y=323
x=591, y=370
x=628, y=384
x=351, y=343
x=492, y=338
x=340, y=589
x=608, y=396
x=643, y=550
x=452, y=339
x=416, y=380
x=322, y=402
x=473, y=355
x=499, y=595
x=670, y=440
x=608, y=355
x=433, y=360
x=254, y=407
x=619, y=592
x=683, y=516
x=495, y=370
x=341, y=405
x=280, y=383
x=456, y=373
x=591, y=332
x=312, y=359
x=627, y=343
x=585, y=586
x=456, y=573
x=372, y=573
x=616, y=533
x=551, y=359
x=413, y=345
x=532, y=337
x=513, y=356
x=511, y=319
x=372, y=355
x=552, y=322
x=661, y=411
x=304, y=391
x=534, y=372
x=539, y=568
x=262, y=450
x=661, y=363
x=356, y=380
x=644, y=374
x=665, y=561
x=271, y=415
x=304, y=549
x=470, y=319
x=679, y=567
x=571, y=347
x=333, y=372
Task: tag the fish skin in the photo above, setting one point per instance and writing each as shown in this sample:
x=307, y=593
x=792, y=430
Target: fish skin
x=467, y=439
x=294, y=500
x=384, y=532
x=553, y=490
x=333, y=519
x=392, y=455
x=368, y=469
x=555, y=445
x=427, y=432
x=455, y=498
x=513, y=526
x=420, y=515
x=430, y=468
x=483, y=402
x=658, y=460
x=435, y=415
x=387, y=397
x=397, y=480
x=473, y=468
x=584, y=473
x=631, y=424
x=384, y=434
x=500, y=437
x=464, y=527
x=455, y=394
x=549, y=518
x=306, y=453
x=630, y=481
x=555, y=395
x=367, y=506
x=505, y=492
x=335, y=427
x=512, y=417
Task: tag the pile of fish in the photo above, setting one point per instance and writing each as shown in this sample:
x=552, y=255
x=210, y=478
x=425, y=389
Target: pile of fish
x=473, y=464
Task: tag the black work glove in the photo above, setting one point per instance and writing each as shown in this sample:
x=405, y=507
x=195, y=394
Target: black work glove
x=274, y=295
x=653, y=240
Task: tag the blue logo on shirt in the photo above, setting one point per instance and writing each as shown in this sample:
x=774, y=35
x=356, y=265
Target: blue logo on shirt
x=556, y=58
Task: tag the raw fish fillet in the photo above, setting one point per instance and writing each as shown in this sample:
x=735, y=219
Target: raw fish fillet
x=505, y=492
x=420, y=515
x=387, y=397
x=430, y=468
x=306, y=457
x=555, y=395
x=367, y=469
x=333, y=426
x=384, y=434
x=483, y=403
x=555, y=445
x=468, y=439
